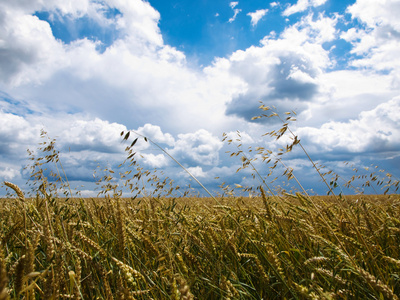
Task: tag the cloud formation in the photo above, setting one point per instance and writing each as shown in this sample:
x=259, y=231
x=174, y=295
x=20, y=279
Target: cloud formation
x=283, y=72
x=235, y=10
x=88, y=89
x=257, y=16
x=200, y=148
x=378, y=43
x=374, y=130
x=301, y=6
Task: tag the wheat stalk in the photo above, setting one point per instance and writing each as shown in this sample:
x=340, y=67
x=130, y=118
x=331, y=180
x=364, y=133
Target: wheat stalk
x=3, y=277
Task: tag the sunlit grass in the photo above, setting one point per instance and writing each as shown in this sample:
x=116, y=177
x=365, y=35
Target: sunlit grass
x=175, y=248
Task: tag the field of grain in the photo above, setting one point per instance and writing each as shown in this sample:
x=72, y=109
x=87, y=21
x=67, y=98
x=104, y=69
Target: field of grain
x=281, y=247
x=159, y=245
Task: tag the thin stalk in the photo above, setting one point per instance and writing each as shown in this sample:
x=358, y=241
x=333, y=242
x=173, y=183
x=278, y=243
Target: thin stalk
x=170, y=156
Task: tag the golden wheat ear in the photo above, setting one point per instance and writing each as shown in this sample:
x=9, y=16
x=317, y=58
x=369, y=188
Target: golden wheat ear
x=17, y=190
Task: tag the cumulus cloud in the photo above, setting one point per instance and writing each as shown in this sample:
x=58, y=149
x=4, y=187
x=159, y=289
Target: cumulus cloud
x=16, y=134
x=302, y=5
x=285, y=71
x=8, y=173
x=80, y=139
x=85, y=164
x=257, y=16
x=155, y=161
x=155, y=134
x=85, y=96
x=139, y=22
x=377, y=13
x=195, y=171
x=96, y=134
x=198, y=148
x=314, y=30
x=345, y=93
x=28, y=50
x=86, y=143
x=135, y=79
x=73, y=7
x=376, y=130
x=379, y=41
x=242, y=137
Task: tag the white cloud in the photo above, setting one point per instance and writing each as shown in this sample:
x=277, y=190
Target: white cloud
x=257, y=15
x=200, y=147
x=317, y=32
x=154, y=133
x=16, y=134
x=32, y=54
x=88, y=165
x=302, y=5
x=283, y=71
x=233, y=4
x=88, y=193
x=195, y=171
x=140, y=80
x=93, y=134
x=377, y=13
x=28, y=49
x=235, y=10
x=300, y=76
x=243, y=137
x=377, y=44
x=137, y=77
x=171, y=55
x=8, y=173
x=155, y=161
x=139, y=22
x=374, y=130
x=73, y=7
x=350, y=83
x=345, y=93
x=86, y=143
x=81, y=142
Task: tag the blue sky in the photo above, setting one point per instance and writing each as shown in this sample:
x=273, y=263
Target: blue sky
x=184, y=72
x=203, y=30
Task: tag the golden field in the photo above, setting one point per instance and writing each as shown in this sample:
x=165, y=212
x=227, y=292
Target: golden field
x=281, y=247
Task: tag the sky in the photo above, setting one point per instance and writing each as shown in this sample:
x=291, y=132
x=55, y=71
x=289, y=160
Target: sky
x=183, y=73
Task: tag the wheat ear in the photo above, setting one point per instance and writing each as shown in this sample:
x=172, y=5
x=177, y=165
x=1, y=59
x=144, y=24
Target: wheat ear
x=17, y=190
x=377, y=284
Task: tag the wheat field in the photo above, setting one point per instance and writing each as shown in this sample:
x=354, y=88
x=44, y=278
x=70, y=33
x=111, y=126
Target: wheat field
x=286, y=247
x=272, y=245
